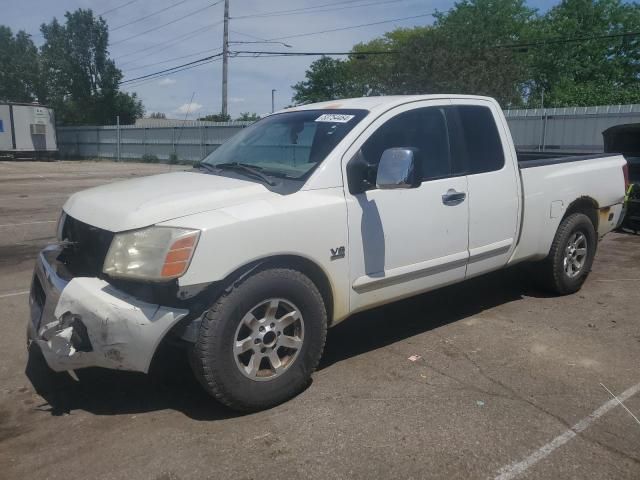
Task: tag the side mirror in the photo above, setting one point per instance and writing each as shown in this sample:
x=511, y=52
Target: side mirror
x=397, y=169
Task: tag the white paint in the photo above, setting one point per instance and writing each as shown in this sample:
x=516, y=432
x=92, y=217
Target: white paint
x=334, y=118
x=27, y=223
x=621, y=404
x=518, y=468
x=14, y=294
x=124, y=332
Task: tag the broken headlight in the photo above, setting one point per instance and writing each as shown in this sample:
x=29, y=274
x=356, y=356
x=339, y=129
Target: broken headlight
x=154, y=253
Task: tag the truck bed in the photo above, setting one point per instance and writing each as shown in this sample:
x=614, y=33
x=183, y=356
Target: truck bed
x=539, y=159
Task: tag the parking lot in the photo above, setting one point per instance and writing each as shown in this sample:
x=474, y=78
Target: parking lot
x=485, y=379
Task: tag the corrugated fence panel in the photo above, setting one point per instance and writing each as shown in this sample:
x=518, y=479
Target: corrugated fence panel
x=570, y=129
x=191, y=142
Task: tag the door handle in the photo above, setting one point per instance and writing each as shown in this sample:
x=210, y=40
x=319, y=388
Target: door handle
x=452, y=197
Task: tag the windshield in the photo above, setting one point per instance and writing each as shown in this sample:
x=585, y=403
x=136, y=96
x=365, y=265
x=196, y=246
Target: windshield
x=289, y=144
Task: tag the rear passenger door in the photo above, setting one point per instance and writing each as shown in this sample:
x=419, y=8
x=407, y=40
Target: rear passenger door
x=492, y=178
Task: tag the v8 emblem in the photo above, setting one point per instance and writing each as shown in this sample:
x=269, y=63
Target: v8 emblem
x=338, y=252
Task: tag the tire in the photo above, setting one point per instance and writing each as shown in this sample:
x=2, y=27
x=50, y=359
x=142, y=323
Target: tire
x=558, y=273
x=235, y=319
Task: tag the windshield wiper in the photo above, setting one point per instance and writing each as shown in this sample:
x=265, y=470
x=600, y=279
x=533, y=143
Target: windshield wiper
x=205, y=166
x=247, y=169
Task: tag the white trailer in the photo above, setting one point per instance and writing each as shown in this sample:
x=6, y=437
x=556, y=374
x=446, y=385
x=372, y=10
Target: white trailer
x=27, y=130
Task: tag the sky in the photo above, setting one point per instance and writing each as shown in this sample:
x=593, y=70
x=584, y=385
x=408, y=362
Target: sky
x=197, y=91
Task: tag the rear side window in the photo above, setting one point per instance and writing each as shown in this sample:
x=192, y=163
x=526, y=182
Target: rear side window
x=476, y=138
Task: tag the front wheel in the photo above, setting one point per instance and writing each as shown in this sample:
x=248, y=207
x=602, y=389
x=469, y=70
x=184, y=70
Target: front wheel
x=571, y=255
x=260, y=341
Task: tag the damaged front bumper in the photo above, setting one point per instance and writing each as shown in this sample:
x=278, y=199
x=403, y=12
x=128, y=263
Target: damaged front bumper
x=86, y=322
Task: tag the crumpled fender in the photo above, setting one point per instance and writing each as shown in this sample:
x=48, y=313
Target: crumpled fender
x=123, y=332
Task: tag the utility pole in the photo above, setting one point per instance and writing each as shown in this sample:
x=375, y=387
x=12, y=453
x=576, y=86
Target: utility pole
x=225, y=58
x=273, y=100
x=118, y=137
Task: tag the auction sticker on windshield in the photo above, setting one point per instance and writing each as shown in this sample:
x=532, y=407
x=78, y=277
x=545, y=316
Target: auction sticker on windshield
x=334, y=118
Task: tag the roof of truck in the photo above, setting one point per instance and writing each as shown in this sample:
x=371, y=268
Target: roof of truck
x=382, y=102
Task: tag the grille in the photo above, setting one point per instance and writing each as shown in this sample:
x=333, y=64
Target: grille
x=86, y=249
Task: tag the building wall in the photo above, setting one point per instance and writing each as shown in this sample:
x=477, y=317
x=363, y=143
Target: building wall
x=6, y=143
x=24, y=116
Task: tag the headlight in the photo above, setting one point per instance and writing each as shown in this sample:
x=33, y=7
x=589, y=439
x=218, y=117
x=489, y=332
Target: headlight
x=154, y=253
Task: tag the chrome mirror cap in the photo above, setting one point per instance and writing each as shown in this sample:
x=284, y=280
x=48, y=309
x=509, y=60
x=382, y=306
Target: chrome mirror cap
x=397, y=169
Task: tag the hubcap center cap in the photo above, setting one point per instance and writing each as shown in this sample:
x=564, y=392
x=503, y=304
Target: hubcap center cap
x=269, y=338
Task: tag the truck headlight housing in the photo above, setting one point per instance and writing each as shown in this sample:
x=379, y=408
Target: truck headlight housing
x=154, y=253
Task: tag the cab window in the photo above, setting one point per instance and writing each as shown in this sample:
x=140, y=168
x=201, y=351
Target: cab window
x=424, y=130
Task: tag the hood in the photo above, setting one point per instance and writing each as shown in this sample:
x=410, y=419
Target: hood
x=145, y=201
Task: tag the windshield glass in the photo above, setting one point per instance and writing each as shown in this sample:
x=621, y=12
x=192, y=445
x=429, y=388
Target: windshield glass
x=289, y=144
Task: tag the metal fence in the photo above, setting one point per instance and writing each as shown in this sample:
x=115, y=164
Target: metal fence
x=569, y=129
x=191, y=142
x=574, y=129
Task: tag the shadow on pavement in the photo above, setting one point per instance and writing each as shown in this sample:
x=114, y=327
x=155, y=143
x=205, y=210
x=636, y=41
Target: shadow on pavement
x=171, y=384
x=377, y=328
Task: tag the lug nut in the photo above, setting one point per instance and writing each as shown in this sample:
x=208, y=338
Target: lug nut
x=262, y=329
x=263, y=349
x=273, y=325
x=257, y=340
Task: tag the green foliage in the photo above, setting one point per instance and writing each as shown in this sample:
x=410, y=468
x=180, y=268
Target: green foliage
x=604, y=69
x=248, y=117
x=157, y=115
x=465, y=51
x=18, y=67
x=173, y=159
x=216, y=117
x=72, y=72
x=81, y=80
x=327, y=79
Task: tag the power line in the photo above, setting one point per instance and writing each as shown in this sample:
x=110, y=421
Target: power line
x=255, y=54
x=353, y=26
x=117, y=8
x=204, y=60
x=171, y=70
x=140, y=19
x=248, y=35
x=561, y=40
x=173, y=59
x=143, y=82
x=316, y=9
x=173, y=40
x=168, y=23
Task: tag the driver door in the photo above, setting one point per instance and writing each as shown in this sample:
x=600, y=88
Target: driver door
x=406, y=241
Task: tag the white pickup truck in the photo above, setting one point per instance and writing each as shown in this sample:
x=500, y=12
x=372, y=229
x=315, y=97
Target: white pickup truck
x=297, y=222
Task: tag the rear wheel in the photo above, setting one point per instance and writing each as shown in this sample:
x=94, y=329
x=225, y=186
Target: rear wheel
x=571, y=255
x=260, y=341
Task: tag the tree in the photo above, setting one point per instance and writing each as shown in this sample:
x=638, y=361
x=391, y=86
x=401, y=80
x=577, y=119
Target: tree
x=586, y=72
x=473, y=58
x=82, y=82
x=216, y=117
x=327, y=79
x=157, y=115
x=248, y=117
x=458, y=53
x=19, y=67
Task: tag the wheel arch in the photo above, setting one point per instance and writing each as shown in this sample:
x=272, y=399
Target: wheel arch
x=585, y=205
x=297, y=262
